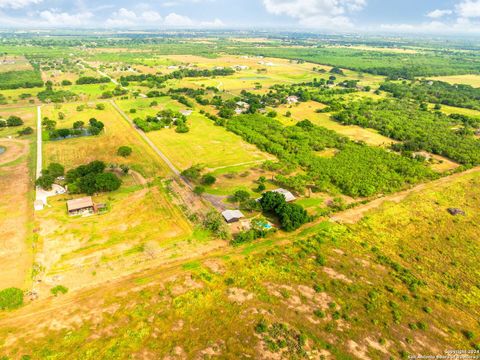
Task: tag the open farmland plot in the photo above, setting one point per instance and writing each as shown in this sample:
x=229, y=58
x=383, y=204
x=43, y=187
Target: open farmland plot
x=142, y=226
x=14, y=63
x=307, y=110
x=143, y=107
x=117, y=132
x=373, y=289
x=16, y=209
x=205, y=143
x=472, y=80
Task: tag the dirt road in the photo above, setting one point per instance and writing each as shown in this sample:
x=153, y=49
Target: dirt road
x=354, y=215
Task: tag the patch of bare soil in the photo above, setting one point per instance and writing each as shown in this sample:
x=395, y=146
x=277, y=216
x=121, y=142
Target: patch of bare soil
x=239, y=295
x=337, y=276
x=359, y=351
x=301, y=299
x=187, y=284
x=215, y=265
x=15, y=212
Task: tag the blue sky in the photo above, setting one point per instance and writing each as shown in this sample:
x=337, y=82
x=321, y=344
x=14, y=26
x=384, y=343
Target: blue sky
x=414, y=16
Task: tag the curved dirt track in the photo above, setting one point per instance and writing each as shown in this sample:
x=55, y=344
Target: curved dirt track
x=354, y=215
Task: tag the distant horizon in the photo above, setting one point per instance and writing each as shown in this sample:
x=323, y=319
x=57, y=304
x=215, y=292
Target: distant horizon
x=240, y=30
x=437, y=17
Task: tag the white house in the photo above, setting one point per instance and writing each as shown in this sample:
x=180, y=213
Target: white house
x=287, y=194
x=292, y=99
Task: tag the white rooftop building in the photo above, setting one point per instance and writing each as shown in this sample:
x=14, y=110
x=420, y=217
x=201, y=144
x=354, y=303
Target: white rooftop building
x=287, y=194
x=232, y=216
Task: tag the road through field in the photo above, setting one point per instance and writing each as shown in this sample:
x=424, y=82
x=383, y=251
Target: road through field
x=39, y=142
x=147, y=140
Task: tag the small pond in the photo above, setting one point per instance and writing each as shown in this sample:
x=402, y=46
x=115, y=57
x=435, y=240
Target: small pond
x=2, y=149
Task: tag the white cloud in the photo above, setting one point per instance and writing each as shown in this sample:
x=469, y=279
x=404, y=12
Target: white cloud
x=176, y=20
x=149, y=18
x=214, y=23
x=436, y=14
x=468, y=9
x=55, y=17
x=17, y=4
x=316, y=13
x=124, y=17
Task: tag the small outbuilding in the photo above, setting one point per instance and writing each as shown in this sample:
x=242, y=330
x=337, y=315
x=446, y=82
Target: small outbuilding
x=289, y=197
x=81, y=206
x=232, y=216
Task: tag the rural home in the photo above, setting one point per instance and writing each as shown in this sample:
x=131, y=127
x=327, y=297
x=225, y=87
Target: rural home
x=292, y=99
x=81, y=206
x=242, y=107
x=240, y=67
x=287, y=194
x=232, y=216
x=186, y=112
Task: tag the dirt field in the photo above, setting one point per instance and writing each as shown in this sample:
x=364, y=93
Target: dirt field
x=15, y=214
x=14, y=63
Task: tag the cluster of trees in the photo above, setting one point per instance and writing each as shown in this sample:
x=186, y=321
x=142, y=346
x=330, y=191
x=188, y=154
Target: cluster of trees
x=357, y=169
x=49, y=175
x=56, y=96
x=164, y=118
x=11, y=121
x=417, y=128
x=438, y=92
x=118, y=91
x=94, y=127
x=91, y=178
x=291, y=216
x=194, y=174
x=92, y=80
x=158, y=80
x=11, y=298
x=20, y=79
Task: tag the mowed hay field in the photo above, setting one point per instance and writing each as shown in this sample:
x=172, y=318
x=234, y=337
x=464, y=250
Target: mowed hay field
x=205, y=143
x=143, y=109
x=118, y=132
x=16, y=201
x=363, y=291
x=472, y=80
x=307, y=110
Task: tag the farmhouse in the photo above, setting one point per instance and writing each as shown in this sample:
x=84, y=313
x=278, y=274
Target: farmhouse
x=242, y=107
x=232, y=216
x=242, y=104
x=81, y=206
x=186, y=112
x=240, y=67
x=292, y=99
x=287, y=194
